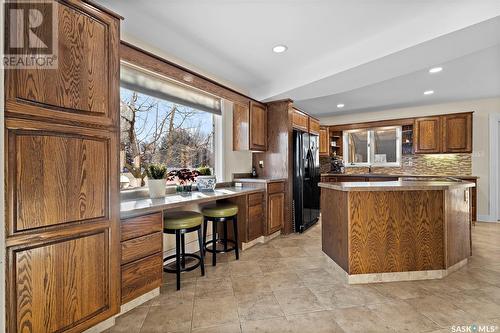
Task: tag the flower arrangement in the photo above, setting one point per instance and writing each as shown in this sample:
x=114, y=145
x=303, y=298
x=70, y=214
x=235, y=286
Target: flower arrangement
x=182, y=176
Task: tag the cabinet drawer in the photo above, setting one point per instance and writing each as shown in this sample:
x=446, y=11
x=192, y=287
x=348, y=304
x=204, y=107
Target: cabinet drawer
x=141, y=247
x=141, y=225
x=255, y=199
x=141, y=276
x=276, y=187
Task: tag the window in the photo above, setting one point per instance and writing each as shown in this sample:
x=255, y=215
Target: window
x=377, y=147
x=163, y=125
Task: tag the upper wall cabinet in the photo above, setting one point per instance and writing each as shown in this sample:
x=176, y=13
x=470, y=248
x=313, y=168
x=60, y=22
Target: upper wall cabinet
x=258, y=127
x=443, y=134
x=324, y=141
x=300, y=120
x=427, y=135
x=457, y=133
x=79, y=89
x=313, y=126
x=249, y=127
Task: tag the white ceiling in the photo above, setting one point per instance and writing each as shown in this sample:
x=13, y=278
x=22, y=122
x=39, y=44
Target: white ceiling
x=371, y=52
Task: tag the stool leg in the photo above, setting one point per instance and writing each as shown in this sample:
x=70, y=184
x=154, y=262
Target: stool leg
x=178, y=258
x=214, y=244
x=225, y=235
x=183, y=247
x=202, y=253
x=205, y=225
x=235, y=231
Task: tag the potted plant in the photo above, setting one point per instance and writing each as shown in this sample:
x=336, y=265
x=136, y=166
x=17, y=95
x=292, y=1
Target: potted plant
x=205, y=180
x=156, y=180
x=184, y=179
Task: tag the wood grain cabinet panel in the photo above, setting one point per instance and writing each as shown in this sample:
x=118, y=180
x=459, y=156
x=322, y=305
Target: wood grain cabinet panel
x=141, y=276
x=324, y=142
x=141, y=247
x=276, y=212
x=59, y=177
x=300, y=120
x=83, y=84
x=457, y=133
x=427, y=135
x=59, y=285
x=314, y=126
x=241, y=127
x=255, y=219
x=258, y=127
x=141, y=225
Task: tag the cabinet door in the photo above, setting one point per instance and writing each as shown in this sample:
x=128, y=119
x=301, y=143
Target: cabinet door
x=299, y=120
x=276, y=214
x=82, y=88
x=314, y=126
x=427, y=135
x=457, y=133
x=258, y=127
x=241, y=127
x=324, y=146
x=255, y=217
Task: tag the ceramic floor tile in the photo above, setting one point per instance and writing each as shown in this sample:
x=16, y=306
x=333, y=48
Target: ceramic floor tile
x=359, y=319
x=244, y=268
x=231, y=328
x=299, y=300
x=214, y=287
x=169, y=318
x=292, y=251
x=244, y=285
x=130, y=322
x=273, y=325
x=258, y=306
x=283, y=280
x=316, y=277
x=348, y=295
x=401, y=290
x=215, y=311
x=440, y=310
x=317, y=322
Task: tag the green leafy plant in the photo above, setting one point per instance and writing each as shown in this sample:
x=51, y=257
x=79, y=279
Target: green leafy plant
x=204, y=171
x=156, y=171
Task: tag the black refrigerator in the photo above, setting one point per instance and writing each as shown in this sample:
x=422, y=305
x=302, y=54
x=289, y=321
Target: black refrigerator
x=306, y=177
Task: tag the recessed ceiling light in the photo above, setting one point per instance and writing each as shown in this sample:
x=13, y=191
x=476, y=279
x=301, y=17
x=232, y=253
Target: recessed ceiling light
x=435, y=70
x=340, y=106
x=280, y=48
x=428, y=92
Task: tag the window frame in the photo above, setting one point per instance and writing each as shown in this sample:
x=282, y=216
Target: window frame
x=371, y=147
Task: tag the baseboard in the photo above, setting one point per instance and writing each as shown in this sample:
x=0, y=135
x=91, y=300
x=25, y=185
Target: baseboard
x=487, y=218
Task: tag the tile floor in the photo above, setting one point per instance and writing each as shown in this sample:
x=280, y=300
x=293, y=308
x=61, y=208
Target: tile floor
x=284, y=286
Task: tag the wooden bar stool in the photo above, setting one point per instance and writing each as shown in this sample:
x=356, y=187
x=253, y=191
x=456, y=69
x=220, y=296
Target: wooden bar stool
x=181, y=223
x=222, y=212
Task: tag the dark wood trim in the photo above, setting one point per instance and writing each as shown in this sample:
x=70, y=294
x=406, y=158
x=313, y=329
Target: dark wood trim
x=370, y=124
x=104, y=9
x=150, y=61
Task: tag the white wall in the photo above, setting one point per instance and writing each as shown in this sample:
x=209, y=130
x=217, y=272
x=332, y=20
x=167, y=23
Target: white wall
x=480, y=158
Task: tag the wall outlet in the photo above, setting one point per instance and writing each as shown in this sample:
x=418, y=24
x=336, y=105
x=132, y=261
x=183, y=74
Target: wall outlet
x=261, y=164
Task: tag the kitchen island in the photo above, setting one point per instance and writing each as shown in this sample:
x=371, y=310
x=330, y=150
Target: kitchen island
x=396, y=230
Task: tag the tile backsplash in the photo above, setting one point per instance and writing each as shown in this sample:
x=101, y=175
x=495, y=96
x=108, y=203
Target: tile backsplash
x=418, y=164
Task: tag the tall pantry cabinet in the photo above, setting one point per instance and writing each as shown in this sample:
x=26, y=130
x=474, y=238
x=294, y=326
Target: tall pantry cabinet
x=62, y=190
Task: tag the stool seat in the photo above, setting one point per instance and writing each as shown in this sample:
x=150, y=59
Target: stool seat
x=223, y=209
x=182, y=220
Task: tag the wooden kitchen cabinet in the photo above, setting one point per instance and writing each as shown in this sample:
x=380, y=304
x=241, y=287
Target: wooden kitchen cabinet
x=324, y=141
x=275, y=206
x=314, y=127
x=258, y=127
x=427, y=135
x=249, y=127
x=141, y=255
x=456, y=134
x=451, y=133
x=300, y=120
x=62, y=138
x=255, y=216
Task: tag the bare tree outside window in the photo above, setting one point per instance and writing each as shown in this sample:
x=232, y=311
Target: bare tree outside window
x=159, y=131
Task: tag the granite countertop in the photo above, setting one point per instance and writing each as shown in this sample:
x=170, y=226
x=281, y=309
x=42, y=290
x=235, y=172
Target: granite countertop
x=139, y=206
x=259, y=180
x=379, y=175
x=396, y=185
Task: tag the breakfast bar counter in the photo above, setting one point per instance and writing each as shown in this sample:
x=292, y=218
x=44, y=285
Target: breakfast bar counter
x=398, y=230
x=138, y=206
